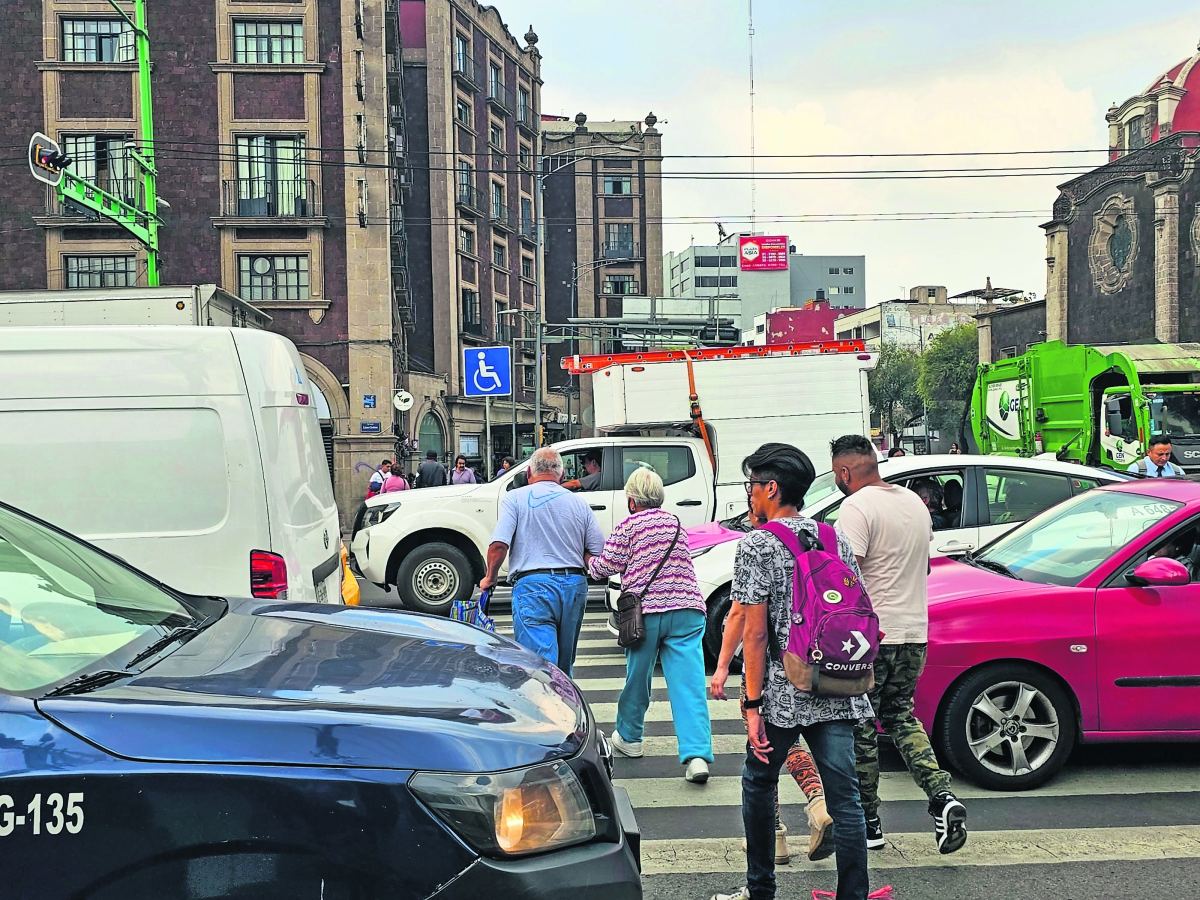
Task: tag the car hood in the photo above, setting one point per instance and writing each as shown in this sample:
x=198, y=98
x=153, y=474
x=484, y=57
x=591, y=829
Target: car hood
x=951, y=580
x=710, y=534
x=429, y=494
x=280, y=684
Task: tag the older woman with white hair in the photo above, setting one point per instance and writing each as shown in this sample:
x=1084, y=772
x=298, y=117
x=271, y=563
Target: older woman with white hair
x=673, y=611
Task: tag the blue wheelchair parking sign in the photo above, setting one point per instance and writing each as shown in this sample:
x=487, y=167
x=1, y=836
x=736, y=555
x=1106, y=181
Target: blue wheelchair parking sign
x=487, y=372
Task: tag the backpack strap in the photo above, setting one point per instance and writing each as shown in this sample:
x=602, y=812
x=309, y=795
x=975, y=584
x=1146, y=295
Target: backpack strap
x=828, y=538
x=791, y=540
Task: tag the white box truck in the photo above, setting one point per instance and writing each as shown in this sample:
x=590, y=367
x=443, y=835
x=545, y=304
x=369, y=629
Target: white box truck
x=431, y=543
x=189, y=304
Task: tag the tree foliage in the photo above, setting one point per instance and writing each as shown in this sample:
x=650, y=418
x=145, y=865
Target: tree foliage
x=893, y=385
x=948, y=369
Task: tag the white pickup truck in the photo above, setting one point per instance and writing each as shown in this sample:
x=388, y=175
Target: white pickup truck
x=431, y=543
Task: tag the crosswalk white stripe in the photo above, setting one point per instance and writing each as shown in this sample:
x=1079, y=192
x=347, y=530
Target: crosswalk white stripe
x=660, y=711
x=663, y=793
x=915, y=850
x=732, y=685
x=668, y=745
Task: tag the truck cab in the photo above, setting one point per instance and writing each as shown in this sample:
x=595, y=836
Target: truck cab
x=431, y=543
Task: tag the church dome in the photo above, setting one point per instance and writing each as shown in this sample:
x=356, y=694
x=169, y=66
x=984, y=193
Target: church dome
x=1171, y=103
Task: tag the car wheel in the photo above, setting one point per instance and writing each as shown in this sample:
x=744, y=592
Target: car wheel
x=433, y=576
x=1008, y=727
x=714, y=630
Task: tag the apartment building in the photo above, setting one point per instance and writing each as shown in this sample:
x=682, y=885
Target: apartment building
x=473, y=95
x=280, y=150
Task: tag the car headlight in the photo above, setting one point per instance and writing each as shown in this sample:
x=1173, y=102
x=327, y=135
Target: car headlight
x=511, y=813
x=701, y=551
x=377, y=514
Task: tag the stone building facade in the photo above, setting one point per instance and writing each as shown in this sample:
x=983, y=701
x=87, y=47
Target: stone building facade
x=279, y=156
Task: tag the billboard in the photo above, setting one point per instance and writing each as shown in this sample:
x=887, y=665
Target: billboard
x=763, y=253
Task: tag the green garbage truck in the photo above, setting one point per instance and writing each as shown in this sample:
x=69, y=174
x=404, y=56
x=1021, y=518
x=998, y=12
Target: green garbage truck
x=1094, y=405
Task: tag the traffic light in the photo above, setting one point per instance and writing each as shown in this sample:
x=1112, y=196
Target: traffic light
x=55, y=161
x=47, y=159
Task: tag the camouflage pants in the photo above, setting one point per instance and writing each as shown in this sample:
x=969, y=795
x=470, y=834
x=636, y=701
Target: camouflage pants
x=897, y=668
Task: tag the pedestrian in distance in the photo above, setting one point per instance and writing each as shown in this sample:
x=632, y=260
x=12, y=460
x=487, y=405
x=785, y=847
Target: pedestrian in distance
x=1157, y=461
x=954, y=450
x=890, y=528
x=430, y=473
x=649, y=550
x=378, y=477
x=505, y=464
x=896, y=451
x=544, y=531
x=462, y=474
x=777, y=712
x=799, y=761
x=395, y=481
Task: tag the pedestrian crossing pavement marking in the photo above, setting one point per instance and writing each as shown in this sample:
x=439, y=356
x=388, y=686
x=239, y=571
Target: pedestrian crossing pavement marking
x=668, y=745
x=660, y=711
x=915, y=850
x=666, y=793
x=732, y=685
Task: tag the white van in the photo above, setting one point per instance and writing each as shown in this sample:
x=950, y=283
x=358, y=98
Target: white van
x=194, y=453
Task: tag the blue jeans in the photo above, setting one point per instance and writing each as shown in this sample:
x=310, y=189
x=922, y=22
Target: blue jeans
x=547, y=615
x=832, y=746
x=674, y=637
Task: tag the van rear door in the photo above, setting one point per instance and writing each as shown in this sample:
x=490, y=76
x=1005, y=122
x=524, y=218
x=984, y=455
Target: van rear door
x=303, y=515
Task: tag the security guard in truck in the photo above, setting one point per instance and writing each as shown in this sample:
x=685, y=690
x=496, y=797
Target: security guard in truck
x=1157, y=461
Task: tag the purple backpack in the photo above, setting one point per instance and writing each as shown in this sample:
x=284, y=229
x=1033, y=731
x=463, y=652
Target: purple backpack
x=834, y=635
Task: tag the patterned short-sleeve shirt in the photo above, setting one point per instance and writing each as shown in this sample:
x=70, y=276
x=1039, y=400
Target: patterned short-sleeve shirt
x=763, y=570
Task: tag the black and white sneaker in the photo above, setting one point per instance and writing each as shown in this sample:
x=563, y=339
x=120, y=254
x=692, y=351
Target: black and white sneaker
x=949, y=822
x=875, y=839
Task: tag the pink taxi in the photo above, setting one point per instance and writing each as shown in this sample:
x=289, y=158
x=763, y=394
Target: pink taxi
x=1080, y=625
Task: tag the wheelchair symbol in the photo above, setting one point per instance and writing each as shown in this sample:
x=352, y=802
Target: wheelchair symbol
x=487, y=373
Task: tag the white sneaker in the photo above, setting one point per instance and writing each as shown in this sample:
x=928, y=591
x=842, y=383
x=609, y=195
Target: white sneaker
x=740, y=894
x=697, y=770
x=632, y=749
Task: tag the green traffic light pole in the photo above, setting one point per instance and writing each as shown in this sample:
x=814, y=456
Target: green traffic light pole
x=141, y=223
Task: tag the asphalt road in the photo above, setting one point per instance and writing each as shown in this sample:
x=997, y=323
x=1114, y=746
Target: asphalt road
x=1120, y=821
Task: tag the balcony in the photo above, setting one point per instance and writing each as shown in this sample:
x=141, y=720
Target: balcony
x=500, y=98
x=464, y=72
x=503, y=217
x=525, y=118
x=266, y=198
x=470, y=200
x=613, y=250
x=621, y=288
x=528, y=230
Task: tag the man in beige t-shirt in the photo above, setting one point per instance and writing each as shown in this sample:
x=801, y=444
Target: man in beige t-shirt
x=889, y=528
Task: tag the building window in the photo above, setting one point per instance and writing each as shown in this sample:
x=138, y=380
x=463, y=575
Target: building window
x=526, y=156
x=270, y=176
x=496, y=135
x=529, y=377
x=497, y=198
x=101, y=159
x=268, y=42
x=266, y=278
x=471, y=321
x=618, y=240
x=847, y=290
x=462, y=111
x=495, y=80
x=524, y=110
x=466, y=240
x=97, y=40
x=1135, y=134
x=849, y=271
x=466, y=184
x=100, y=271
x=712, y=281
x=1008, y=352
x=618, y=184
x=499, y=256
x=760, y=328
x=526, y=267
x=931, y=293
x=620, y=285
x=833, y=270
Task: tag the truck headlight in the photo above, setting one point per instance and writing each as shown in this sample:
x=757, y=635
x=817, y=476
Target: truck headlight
x=511, y=813
x=377, y=514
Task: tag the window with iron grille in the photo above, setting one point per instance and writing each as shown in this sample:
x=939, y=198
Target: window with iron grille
x=618, y=184
x=100, y=271
x=495, y=80
x=462, y=111
x=466, y=240
x=265, y=278
x=270, y=176
x=620, y=284
x=97, y=40
x=499, y=256
x=524, y=110
x=268, y=42
x=102, y=160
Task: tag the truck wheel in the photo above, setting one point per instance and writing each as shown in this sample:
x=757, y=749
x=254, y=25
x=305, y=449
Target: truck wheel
x=714, y=630
x=432, y=577
x=1008, y=727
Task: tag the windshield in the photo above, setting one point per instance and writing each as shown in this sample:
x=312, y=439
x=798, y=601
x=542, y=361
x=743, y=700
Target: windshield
x=1068, y=541
x=823, y=485
x=64, y=608
x=1175, y=414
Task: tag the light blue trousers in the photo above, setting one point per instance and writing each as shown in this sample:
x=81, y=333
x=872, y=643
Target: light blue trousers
x=547, y=615
x=675, y=638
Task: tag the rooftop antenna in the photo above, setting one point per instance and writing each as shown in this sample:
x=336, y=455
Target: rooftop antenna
x=753, y=165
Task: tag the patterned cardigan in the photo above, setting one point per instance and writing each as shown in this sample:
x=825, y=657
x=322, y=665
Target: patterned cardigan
x=634, y=549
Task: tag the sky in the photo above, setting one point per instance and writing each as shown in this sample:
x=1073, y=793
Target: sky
x=864, y=78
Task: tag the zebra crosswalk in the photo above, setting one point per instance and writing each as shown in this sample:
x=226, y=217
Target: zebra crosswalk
x=1109, y=804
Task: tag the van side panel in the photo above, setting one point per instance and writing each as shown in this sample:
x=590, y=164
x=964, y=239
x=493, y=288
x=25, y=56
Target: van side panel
x=303, y=515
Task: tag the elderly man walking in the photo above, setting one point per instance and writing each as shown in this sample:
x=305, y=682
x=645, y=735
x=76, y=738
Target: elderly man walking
x=545, y=530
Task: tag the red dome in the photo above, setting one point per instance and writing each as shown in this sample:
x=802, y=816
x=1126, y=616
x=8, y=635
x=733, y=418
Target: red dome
x=1171, y=103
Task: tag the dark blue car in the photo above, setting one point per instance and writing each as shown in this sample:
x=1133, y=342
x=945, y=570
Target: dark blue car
x=158, y=745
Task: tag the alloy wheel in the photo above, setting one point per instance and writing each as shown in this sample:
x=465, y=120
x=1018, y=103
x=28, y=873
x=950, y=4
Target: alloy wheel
x=1012, y=728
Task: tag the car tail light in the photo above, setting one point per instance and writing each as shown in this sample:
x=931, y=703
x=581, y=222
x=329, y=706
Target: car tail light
x=268, y=575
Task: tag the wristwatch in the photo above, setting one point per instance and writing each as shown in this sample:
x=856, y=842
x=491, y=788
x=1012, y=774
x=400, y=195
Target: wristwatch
x=752, y=704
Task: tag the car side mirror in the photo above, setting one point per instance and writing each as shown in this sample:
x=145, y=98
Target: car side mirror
x=1159, y=572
